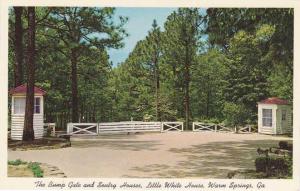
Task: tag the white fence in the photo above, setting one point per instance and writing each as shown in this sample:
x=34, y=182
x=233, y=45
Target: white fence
x=140, y=126
x=200, y=127
x=197, y=126
x=122, y=127
x=82, y=128
x=128, y=127
x=247, y=129
x=172, y=126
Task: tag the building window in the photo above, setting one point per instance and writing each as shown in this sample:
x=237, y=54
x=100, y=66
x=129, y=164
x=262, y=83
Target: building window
x=267, y=117
x=19, y=105
x=283, y=116
x=37, y=105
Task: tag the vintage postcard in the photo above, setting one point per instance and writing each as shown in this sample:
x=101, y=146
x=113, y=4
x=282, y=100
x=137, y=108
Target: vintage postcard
x=125, y=95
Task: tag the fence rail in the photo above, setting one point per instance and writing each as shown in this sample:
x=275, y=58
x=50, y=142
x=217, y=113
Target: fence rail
x=128, y=127
x=171, y=126
x=82, y=128
x=200, y=127
x=122, y=127
x=140, y=126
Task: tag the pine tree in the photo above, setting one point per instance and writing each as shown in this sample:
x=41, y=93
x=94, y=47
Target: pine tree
x=18, y=67
x=28, y=132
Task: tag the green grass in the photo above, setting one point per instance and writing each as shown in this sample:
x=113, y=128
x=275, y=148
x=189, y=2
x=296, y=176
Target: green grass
x=33, y=166
x=16, y=162
x=36, y=169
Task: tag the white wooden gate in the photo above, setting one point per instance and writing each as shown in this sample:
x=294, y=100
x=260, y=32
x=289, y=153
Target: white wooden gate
x=197, y=126
x=129, y=126
x=82, y=128
x=122, y=127
x=246, y=129
x=222, y=128
x=200, y=127
x=171, y=126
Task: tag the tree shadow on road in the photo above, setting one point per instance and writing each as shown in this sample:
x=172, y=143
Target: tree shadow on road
x=213, y=160
x=117, y=142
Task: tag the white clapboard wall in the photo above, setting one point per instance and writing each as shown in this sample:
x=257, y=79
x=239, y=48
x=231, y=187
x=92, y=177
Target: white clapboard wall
x=17, y=125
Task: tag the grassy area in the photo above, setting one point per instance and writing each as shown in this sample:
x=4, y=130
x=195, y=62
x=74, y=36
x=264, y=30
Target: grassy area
x=19, y=171
x=36, y=169
x=19, y=168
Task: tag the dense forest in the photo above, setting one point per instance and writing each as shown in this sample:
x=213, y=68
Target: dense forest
x=202, y=65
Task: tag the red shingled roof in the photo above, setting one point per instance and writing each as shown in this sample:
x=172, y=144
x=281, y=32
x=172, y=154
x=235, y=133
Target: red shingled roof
x=22, y=89
x=275, y=100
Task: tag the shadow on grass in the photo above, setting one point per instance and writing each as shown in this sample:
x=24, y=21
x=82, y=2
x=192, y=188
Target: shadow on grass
x=213, y=160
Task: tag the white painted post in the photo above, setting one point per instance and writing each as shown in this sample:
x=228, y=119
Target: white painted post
x=162, y=127
x=97, y=128
x=193, y=126
x=69, y=126
x=216, y=128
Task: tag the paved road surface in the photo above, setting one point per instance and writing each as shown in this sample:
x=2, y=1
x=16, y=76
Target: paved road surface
x=157, y=155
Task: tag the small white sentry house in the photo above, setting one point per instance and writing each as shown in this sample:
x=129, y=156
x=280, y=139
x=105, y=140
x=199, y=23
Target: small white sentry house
x=18, y=112
x=274, y=116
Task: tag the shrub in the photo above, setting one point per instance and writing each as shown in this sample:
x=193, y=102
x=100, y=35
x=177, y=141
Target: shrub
x=261, y=164
x=274, y=166
x=211, y=120
x=290, y=147
x=36, y=169
x=283, y=144
x=16, y=162
x=235, y=114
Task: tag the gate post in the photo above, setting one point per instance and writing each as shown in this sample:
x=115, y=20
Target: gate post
x=161, y=127
x=69, y=125
x=97, y=128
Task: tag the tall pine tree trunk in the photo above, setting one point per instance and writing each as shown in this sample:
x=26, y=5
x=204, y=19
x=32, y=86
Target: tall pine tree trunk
x=157, y=86
x=207, y=98
x=74, y=85
x=28, y=133
x=186, y=86
x=18, y=70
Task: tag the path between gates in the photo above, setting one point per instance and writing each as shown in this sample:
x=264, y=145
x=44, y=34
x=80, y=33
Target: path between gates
x=157, y=155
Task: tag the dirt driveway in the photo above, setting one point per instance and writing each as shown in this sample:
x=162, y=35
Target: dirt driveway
x=157, y=155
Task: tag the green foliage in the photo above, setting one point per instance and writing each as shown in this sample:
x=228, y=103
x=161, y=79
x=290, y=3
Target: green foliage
x=248, y=72
x=207, y=85
x=16, y=162
x=261, y=164
x=33, y=166
x=214, y=67
x=274, y=166
x=285, y=145
x=36, y=169
x=281, y=82
x=260, y=38
x=235, y=114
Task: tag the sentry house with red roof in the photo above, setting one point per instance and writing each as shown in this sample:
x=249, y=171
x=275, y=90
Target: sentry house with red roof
x=18, y=112
x=274, y=116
